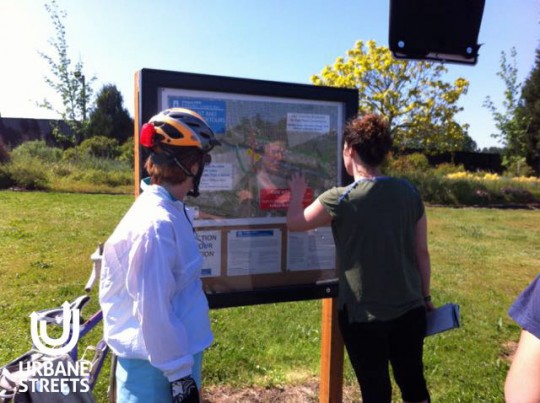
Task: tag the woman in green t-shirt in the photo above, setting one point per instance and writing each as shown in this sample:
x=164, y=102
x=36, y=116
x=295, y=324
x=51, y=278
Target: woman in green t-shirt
x=380, y=231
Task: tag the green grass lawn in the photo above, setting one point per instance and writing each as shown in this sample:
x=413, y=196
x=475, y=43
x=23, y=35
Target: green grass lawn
x=481, y=258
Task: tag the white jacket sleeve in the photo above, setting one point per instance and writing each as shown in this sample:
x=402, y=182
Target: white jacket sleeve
x=151, y=283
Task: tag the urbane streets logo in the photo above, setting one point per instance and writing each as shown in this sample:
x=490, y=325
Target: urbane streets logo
x=55, y=372
x=60, y=345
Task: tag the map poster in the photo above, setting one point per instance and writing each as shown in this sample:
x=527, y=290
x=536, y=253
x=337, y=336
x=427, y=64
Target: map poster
x=264, y=140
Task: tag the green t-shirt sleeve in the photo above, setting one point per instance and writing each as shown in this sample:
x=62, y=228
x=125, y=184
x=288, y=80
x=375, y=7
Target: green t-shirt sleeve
x=418, y=204
x=330, y=201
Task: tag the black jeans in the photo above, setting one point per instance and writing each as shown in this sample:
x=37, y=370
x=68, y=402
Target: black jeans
x=372, y=345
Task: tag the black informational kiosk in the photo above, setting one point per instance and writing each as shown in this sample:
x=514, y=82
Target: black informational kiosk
x=268, y=130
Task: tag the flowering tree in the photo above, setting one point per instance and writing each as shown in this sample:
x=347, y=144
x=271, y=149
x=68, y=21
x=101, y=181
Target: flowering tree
x=418, y=104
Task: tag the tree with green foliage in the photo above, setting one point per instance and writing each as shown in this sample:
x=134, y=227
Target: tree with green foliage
x=412, y=95
x=109, y=118
x=508, y=119
x=530, y=114
x=68, y=81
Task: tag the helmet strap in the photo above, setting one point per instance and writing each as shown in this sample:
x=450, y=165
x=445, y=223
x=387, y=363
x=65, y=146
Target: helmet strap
x=194, y=192
x=183, y=168
x=197, y=180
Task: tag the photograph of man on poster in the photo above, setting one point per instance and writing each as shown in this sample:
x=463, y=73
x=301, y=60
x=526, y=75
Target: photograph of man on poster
x=264, y=189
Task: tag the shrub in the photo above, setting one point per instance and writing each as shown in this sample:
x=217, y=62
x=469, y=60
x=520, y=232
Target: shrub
x=4, y=154
x=100, y=147
x=6, y=181
x=70, y=155
x=518, y=167
x=526, y=179
x=447, y=168
x=62, y=170
x=102, y=164
x=468, y=193
x=28, y=173
x=406, y=164
x=433, y=189
x=37, y=149
x=518, y=195
x=109, y=178
x=119, y=178
x=127, y=153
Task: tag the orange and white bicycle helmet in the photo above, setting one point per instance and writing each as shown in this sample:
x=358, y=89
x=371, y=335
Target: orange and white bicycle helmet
x=175, y=133
x=178, y=127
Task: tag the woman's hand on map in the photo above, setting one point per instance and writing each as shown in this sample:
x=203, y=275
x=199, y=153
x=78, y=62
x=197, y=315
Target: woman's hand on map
x=298, y=185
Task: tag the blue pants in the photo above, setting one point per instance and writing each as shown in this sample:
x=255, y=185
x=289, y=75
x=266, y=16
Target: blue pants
x=139, y=381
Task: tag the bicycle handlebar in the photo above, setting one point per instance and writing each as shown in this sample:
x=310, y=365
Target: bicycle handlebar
x=55, y=316
x=96, y=268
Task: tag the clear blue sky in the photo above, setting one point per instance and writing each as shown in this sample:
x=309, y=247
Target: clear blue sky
x=278, y=40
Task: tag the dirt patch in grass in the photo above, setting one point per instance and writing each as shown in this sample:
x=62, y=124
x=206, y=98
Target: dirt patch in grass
x=509, y=350
x=307, y=392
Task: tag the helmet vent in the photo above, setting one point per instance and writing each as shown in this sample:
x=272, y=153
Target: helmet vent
x=171, y=131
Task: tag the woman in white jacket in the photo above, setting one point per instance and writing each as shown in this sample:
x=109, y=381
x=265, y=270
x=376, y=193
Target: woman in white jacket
x=155, y=312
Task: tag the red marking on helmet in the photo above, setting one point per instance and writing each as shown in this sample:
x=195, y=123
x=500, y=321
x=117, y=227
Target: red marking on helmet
x=148, y=132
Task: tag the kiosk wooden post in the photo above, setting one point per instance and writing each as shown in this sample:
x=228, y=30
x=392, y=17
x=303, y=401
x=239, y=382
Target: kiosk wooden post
x=331, y=383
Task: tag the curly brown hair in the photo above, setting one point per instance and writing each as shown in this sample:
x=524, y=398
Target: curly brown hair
x=370, y=137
